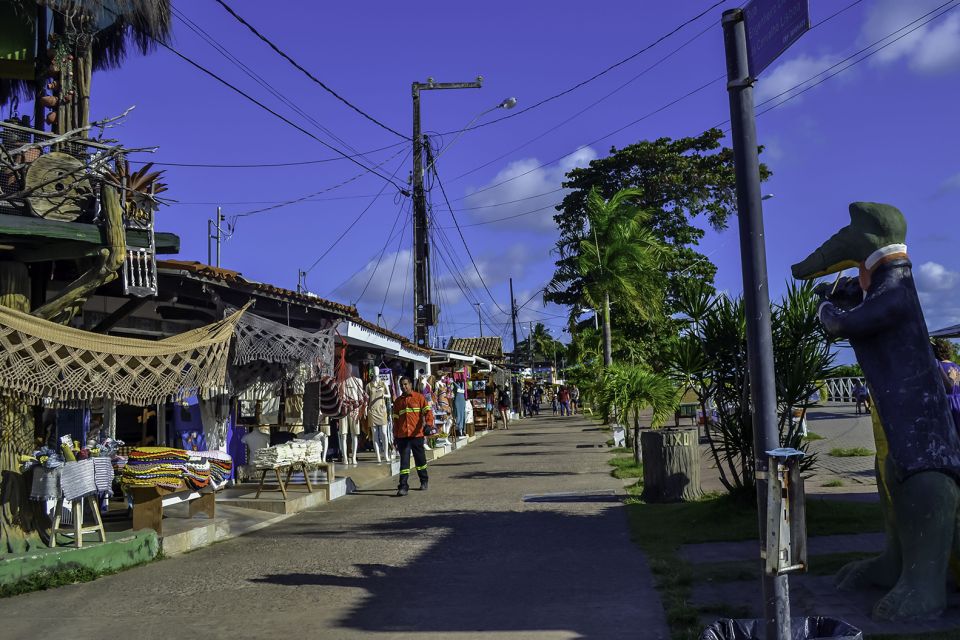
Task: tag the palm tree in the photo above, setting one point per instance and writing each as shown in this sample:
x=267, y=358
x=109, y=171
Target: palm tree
x=618, y=260
x=86, y=36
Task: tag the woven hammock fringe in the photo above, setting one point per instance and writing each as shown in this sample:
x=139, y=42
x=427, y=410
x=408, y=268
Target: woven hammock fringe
x=41, y=359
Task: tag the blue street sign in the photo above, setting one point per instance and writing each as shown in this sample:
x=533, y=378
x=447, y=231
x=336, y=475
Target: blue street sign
x=772, y=26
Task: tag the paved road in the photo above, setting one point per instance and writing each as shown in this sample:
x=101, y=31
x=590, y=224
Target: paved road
x=467, y=559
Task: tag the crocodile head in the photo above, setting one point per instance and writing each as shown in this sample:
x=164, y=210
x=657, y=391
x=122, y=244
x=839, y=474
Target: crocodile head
x=872, y=226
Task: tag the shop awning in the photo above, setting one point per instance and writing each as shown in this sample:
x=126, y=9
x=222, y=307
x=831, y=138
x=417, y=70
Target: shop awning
x=364, y=336
x=947, y=332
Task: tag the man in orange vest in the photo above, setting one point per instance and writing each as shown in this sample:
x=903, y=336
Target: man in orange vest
x=411, y=417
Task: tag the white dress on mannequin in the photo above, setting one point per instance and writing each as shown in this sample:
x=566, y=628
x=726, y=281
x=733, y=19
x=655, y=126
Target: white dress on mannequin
x=378, y=403
x=350, y=424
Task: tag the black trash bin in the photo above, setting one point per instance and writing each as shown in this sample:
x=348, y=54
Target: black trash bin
x=810, y=628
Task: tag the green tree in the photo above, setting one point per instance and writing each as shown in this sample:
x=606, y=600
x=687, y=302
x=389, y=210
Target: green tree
x=678, y=181
x=617, y=259
x=540, y=344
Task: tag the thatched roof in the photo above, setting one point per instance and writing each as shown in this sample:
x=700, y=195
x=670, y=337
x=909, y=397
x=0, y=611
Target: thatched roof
x=120, y=24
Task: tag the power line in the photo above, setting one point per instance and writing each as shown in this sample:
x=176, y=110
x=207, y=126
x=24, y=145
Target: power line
x=324, y=190
x=382, y=252
x=253, y=75
x=355, y=221
x=459, y=230
x=396, y=255
x=600, y=73
x=263, y=165
x=277, y=115
x=589, y=106
x=632, y=123
x=879, y=49
x=300, y=68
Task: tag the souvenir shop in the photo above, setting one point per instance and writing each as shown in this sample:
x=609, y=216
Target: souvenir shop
x=370, y=362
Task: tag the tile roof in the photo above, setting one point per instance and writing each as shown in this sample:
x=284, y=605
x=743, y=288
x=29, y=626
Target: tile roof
x=235, y=279
x=490, y=347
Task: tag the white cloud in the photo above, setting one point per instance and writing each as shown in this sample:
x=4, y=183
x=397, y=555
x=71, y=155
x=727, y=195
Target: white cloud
x=790, y=73
x=950, y=184
x=932, y=276
x=932, y=48
x=939, y=290
x=516, y=204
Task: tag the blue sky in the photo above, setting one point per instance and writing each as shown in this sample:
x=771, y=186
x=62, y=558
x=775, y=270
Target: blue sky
x=882, y=130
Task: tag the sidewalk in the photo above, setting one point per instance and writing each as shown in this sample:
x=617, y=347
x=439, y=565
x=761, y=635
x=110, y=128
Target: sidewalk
x=491, y=551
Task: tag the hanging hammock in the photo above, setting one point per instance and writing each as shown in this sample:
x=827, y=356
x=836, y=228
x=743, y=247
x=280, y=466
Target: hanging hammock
x=41, y=359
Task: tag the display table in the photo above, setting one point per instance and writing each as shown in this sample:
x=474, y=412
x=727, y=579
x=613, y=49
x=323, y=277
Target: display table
x=289, y=468
x=148, y=504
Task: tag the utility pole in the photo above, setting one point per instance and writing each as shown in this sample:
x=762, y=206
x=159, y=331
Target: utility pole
x=756, y=296
x=217, y=237
x=302, y=281
x=513, y=318
x=424, y=312
x=530, y=348
x=479, y=319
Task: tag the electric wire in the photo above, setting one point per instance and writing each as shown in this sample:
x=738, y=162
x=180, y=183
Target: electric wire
x=598, y=74
x=324, y=190
x=354, y=223
x=376, y=267
x=453, y=215
x=250, y=98
x=309, y=75
x=253, y=75
x=263, y=165
x=396, y=255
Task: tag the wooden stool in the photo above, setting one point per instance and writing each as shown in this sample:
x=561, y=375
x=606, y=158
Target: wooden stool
x=276, y=470
x=78, y=529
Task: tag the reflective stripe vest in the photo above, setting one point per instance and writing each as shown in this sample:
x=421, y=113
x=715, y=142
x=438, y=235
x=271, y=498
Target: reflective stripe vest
x=409, y=415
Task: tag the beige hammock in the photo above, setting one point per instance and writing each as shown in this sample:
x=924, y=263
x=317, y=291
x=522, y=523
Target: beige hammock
x=41, y=359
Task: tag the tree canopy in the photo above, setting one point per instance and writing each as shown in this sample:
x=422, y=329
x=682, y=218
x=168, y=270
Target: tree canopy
x=677, y=183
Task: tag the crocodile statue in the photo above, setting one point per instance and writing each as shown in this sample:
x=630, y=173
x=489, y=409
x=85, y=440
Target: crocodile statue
x=879, y=313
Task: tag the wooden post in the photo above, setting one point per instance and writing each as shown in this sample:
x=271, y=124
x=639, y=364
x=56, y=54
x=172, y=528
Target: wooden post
x=671, y=465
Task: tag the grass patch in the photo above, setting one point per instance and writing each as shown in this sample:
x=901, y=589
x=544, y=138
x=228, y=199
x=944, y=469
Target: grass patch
x=43, y=580
x=621, y=450
x=851, y=452
x=811, y=436
x=736, y=570
x=625, y=467
x=660, y=530
x=833, y=483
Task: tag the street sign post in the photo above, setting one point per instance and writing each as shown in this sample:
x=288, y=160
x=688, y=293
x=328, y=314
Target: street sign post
x=772, y=26
x=753, y=37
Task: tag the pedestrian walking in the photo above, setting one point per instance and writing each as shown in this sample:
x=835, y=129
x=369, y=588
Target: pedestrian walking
x=503, y=404
x=574, y=398
x=861, y=395
x=564, y=396
x=554, y=402
x=490, y=399
x=411, y=414
x=950, y=372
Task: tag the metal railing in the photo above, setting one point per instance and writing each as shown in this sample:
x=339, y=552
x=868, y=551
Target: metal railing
x=841, y=389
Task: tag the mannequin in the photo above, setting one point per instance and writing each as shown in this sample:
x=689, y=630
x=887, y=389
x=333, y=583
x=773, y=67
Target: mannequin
x=460, y=410
x=441, y=409
x=350, y=424
x=255, y=440
x=378, y=399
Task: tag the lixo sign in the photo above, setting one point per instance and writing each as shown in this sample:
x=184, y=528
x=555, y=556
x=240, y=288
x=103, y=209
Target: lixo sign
x=772, y=26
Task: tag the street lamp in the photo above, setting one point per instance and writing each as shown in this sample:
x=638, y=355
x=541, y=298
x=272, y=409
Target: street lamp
x=506, y=103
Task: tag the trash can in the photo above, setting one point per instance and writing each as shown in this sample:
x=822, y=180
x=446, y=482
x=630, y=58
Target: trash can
x=809, y=628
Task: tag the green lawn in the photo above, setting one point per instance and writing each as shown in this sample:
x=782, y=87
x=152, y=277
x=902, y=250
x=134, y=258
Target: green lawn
x=853, y=452
x=660, y=530
x=625, y=467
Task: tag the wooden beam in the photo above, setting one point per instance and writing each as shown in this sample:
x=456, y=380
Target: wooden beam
x=122, y=312
x=35, y=230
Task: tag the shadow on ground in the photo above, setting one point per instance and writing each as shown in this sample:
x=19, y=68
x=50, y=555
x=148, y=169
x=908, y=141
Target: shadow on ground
x=545, y=559
x=492, y=475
